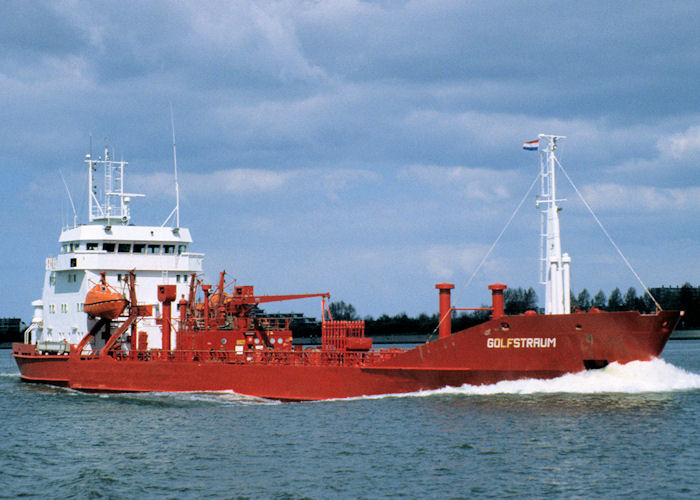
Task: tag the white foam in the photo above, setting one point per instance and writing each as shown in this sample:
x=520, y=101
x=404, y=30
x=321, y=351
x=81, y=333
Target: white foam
x=216, y=397
x=635, y=377
x=224, y=397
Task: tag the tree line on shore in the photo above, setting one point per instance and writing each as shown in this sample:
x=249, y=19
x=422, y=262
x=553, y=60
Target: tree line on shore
x=516, y=301
x=685, y=298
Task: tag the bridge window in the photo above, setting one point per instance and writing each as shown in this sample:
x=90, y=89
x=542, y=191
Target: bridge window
x=91, y=246
x=124, y=248
x=108, y=247
x=154, y=249
x=168, y=248
x=139, y=248
x=181, y=249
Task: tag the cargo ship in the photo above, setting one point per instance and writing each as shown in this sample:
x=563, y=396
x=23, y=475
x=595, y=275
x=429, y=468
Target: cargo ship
x=211, y=339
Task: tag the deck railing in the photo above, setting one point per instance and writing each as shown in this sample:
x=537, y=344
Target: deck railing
x=307, y=357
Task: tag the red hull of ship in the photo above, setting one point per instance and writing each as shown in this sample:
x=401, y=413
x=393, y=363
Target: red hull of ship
x=507, y=348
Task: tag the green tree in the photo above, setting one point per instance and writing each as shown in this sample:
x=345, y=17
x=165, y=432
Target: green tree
x=531, y=299
x=518, y=300
x=632, y=302
x=599, y=300
x=615, y=300
x=342, y=311
x=689, y=303
x=647, y=304
x=584, y=300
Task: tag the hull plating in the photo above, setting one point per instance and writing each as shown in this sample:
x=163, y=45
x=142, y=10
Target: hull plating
x=508, y=348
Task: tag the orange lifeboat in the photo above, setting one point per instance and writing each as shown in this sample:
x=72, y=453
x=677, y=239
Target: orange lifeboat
x=104, y=302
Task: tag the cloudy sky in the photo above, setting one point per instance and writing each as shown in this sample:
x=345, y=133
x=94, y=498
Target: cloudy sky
x=369, y=149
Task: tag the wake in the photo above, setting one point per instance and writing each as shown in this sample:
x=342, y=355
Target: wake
x=635, y=377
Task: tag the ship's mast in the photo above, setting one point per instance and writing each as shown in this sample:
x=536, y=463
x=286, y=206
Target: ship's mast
x=554, y=266
x=113, y=207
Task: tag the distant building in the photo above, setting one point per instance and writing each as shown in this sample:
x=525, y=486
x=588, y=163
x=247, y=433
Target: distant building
x=11, y=330
x=297, y=318
x=685, y=298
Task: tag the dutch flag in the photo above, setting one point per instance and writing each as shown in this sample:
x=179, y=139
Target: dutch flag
x=531, y=145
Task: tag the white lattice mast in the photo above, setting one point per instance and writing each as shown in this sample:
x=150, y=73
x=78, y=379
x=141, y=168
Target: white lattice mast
x=113, y=207
x=554, y=265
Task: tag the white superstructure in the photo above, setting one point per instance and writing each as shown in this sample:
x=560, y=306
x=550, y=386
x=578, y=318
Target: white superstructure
x=554, y=268
x=109, y=243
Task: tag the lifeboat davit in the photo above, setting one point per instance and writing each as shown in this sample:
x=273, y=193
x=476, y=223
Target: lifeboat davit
x=102, y=301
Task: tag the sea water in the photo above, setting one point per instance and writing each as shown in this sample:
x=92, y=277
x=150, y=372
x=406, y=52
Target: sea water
x=626, y=430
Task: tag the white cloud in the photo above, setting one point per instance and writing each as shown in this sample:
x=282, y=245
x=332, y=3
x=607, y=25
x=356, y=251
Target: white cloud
x=340, y=179
x=243, y=180
x=256, y=38
x=683, y=144
x=633, y=198
x=449, y=261
x=476, y=183
x=254, y=181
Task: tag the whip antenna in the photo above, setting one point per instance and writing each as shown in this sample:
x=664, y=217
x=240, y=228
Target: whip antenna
x=75, y=214
x=176, y=210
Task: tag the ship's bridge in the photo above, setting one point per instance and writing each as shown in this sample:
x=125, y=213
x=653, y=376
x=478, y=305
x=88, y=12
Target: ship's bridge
x=125, y=247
